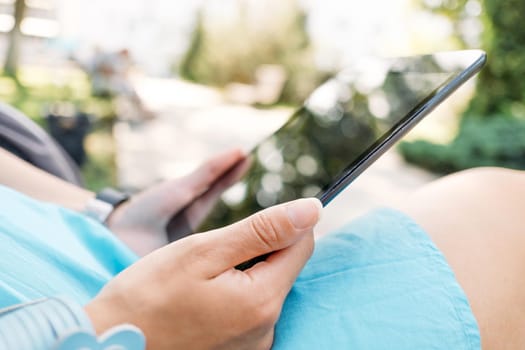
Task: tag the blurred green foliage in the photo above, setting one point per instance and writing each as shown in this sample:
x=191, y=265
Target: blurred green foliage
x=492, y=132
x=501, y=85
x=493, y=141
x=221, y=53
x=37, y=88
x=100, y=170
x=455, y=11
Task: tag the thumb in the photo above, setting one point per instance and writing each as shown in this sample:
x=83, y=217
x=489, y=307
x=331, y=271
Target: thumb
x=267, y=231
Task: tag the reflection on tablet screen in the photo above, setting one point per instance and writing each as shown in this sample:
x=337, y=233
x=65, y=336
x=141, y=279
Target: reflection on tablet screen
x=342, y=119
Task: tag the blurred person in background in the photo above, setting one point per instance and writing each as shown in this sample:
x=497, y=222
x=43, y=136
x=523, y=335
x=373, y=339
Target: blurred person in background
x=110, y=74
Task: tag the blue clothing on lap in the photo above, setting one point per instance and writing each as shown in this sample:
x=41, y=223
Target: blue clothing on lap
x=46, y=250
x=380, y=283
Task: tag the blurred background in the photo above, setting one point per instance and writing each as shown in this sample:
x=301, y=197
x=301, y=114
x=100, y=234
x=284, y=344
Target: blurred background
x=138, y=91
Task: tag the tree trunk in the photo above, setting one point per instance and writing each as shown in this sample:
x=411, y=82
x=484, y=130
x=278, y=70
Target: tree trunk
x=15, y=37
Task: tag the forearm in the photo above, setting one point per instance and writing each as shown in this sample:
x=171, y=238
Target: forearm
x=25, y=178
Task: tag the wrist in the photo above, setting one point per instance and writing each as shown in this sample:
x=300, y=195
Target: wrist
x=99, y=319
x=116, y=215
x=103, y=316
x=107, y=312
x=110, y=328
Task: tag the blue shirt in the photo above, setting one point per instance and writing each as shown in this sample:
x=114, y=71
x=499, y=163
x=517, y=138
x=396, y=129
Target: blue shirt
x=46, y=250
x=380, y=283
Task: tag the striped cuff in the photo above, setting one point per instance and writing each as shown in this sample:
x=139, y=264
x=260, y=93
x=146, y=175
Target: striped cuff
x=40, y=324
x=60, y=324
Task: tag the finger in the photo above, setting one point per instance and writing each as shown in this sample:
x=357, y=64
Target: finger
x=267, y=231
x=178, y=193
x=201, y=207
x=280, y=270
x=203, y=177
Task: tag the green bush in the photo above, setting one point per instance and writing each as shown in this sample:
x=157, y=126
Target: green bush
x=492, y=131
x=495, y=141
x=36, y=90
x=501, y=85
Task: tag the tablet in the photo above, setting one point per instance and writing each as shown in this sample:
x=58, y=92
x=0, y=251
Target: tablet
x=343, y=127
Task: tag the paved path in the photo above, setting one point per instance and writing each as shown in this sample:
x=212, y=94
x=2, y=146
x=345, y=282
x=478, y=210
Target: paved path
x=194, y=122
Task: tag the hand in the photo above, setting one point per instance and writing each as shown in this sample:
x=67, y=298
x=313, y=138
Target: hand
x=188, y=295
x=141, y=222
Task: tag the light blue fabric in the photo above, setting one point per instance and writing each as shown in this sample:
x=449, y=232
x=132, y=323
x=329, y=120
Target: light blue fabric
x=46, y=250
x=379, y=283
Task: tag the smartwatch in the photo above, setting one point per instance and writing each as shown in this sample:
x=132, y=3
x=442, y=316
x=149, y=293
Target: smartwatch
x=104, y=203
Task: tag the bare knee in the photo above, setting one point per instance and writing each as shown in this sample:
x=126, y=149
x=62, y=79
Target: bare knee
x=487, y=175
x=474, y=190
x=475, y=217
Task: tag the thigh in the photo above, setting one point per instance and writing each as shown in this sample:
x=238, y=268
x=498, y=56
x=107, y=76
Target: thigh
x=476, y=219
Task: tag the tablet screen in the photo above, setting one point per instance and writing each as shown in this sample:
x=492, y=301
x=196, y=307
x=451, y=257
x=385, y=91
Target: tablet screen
x=342, y=121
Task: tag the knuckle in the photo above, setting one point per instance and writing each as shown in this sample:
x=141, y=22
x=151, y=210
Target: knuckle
x=265, y=230
x=266, y=314
x=310, y=245
x=185, y=195
x=267, y=342
x=197, y=248
x=211, y=171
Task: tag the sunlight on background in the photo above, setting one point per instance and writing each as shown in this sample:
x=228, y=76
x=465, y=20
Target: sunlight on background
x=342, y=30
x=168, y=83
x=157, y=31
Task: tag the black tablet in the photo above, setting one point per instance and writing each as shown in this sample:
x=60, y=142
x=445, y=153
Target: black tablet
x=344, y=126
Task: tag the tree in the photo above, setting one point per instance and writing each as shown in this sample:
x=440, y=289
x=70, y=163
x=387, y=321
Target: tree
x=15, y=37
x=187, y=68
x=501, y=85
x=492, y=129
x=221, y=52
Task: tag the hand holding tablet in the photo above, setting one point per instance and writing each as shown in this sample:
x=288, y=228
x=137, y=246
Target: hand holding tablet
x=345, y=125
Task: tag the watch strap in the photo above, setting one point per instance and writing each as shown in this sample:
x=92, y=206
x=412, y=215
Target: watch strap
x=104, y=203
x=112, y=196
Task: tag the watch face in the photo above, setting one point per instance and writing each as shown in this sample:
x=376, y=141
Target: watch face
x=98, y=210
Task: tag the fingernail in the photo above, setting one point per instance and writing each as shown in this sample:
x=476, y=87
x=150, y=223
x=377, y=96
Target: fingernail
x=304, y=213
